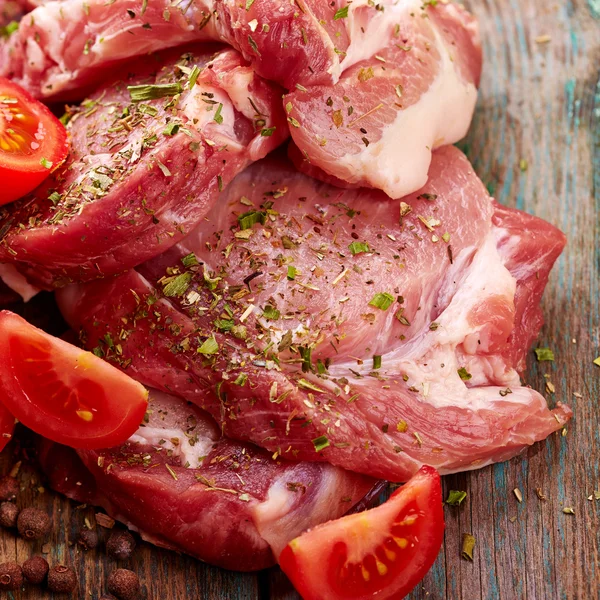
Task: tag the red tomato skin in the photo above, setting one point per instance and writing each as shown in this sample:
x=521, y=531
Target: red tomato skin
x=300, y=557
x=41, y=393
x=7, y=427
x=19, y=173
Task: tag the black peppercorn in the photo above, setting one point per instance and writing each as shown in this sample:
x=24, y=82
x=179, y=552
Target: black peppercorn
x=9, y=488
x=88, y=539
x=35, y=569
x=124, y=584
x=120, y=544
x=11, y=576
x=8, y=514
x=62, y=580
x=33, y=523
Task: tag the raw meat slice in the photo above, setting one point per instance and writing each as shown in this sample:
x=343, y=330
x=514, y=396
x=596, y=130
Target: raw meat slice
x=150, y=153
x=331, y=324
x=374, y=87
x=184, y=487
x=66, y=46
x=416, y=92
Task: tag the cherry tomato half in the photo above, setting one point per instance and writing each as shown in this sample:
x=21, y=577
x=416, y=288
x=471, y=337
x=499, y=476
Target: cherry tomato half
x=7, y=426
x=33, y=142
x=381, y=553
x=64, y=393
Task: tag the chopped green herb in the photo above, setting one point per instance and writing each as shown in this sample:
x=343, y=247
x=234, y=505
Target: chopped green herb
x=224, y=324
x=178, y=285
x=468, y=544
x=543, y=354
x=341, y=13
x=140, y=93
x=382, y=301
x=209, y=346
x=268, y=131
x=291, y=272
x=247, y=220
x=253, y=45
x=47, y=164
x=358, y=248
x=430, y=197
x=321, y=443
x=218, y=118
x=304, y=383
x=9, y=29
x=455, y=497
x=190, y=260
x=376, y=362
x=249, y=4
x=171, y=129
x=568, y=510
x=464, y=374
x=241, y=379
x=193, y=76
x=270, y=313
x=54, y=197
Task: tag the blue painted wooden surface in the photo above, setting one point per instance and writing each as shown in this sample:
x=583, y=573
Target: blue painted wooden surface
x=539, y=103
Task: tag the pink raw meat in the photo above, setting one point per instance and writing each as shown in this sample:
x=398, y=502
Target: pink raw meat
x=142, y=174
x=277, y=328
x=184, y=487
x=374, y=87
x=378, y=125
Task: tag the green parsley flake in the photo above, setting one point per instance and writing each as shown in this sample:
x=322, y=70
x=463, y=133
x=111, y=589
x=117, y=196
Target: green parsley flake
x=247, y=220
x=270, y=313
x=140, y=93
x=358, y=248
x=46, y=163
x=455, y=497
x=267, y=131
x=304, y=383
x=543, y=354
x=291, y=272
x=241, y=379
x=249, y=4
x=178, y=285
x=464, y=374
x=218, y=118
x=468, y=544
x=190, y=260
x=193, y=77
x=171, y=129
x=376, y=362
x=341, y=13
x=9, y=29
x=321, y=443
x=209, y=346
x=382, y=301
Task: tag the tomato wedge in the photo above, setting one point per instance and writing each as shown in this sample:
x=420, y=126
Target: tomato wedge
x=7, y=426
x=33, y=142
x=381, y=553
x=64, y=393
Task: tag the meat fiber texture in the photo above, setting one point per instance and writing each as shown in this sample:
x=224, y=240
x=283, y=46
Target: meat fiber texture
x=331, y=325
x=142, y=173
x=373, y=86
x=186, y=488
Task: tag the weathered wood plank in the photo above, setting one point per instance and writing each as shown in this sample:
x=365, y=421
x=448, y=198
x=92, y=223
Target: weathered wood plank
x=540, y=102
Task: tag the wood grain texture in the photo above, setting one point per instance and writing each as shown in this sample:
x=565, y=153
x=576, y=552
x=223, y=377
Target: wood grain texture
x=539, y=103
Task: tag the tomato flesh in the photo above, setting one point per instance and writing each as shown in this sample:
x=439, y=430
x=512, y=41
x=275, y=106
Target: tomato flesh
x=33, y=142
x=64, y=393
x=7, y=426
x=383, y=552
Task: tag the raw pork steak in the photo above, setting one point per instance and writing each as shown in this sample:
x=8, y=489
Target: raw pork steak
x=373, y=86
x=330, y=324
x=150, y=153
x=184, y=487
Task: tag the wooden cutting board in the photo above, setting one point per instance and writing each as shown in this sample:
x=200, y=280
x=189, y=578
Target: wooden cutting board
x=535, y=142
